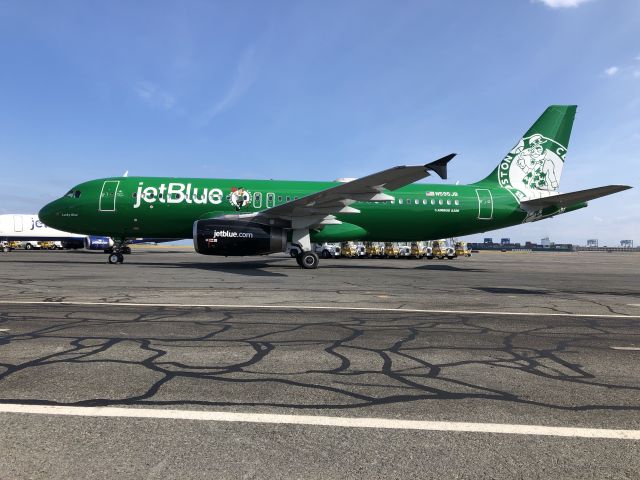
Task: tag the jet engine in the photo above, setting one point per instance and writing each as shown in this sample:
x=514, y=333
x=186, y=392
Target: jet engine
x=98, y=243
x=232, y=237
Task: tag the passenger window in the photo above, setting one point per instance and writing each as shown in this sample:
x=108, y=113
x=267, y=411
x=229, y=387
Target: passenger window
x=288, y=198
x=400, y=201
x=440, y=202
x=424, y=201
x=433, y=202
x=457, y=202
x=270, y=199
x=448, y=202
x=416, y=201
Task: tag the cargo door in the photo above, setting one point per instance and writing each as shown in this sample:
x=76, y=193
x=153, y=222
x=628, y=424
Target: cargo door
x=17, y=223
x=108, y=196
x=485, y=204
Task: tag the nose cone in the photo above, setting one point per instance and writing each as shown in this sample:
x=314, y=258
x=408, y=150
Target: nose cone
x=49, y=214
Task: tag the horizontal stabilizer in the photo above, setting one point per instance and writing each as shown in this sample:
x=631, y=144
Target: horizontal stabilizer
x=568, y=199
x=440, y=166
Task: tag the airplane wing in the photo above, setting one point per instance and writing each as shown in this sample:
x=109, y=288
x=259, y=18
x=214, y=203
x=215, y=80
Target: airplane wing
x=324, y=204
x=568, y=199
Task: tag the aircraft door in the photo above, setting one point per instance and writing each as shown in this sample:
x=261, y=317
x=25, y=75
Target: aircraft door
x=17, y=223
x=485, y=204
x=271, y=198
x=108, y=196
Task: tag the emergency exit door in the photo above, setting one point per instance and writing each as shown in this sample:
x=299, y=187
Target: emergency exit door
x=485, y=204
x=108, y=196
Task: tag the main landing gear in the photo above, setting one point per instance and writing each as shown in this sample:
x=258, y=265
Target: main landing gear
x=118, y=251
x=306, y=258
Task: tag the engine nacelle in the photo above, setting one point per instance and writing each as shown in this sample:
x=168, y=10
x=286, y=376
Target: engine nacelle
x=232, y=237
x=98, y=243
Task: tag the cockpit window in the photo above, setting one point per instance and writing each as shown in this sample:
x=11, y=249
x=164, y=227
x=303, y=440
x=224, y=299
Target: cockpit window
x=69, y=193
x=77, y=193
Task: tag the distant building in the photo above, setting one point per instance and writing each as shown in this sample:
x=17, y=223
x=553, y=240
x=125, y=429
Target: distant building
x=505, y=241
x=593, y=242
x=545, y=242
x=488, y=240
x=626, y=243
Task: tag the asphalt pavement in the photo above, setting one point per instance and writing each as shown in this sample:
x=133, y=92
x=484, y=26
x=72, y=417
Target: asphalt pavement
x=517, y=340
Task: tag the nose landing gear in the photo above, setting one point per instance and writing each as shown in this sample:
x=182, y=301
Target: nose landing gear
x=118, y=251
x=115, y=258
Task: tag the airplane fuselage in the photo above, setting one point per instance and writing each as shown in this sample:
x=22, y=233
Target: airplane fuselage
x=126, y=207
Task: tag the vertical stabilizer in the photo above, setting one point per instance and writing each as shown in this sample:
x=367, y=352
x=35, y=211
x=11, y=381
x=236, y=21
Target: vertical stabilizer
x=532, y=169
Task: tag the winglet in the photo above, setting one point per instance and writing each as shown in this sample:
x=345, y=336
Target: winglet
x=440, y=166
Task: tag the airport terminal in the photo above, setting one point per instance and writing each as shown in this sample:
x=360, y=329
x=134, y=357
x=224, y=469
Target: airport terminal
x=265, y=293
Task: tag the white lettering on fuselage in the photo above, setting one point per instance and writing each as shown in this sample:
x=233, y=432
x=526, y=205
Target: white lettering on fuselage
x=176, y=192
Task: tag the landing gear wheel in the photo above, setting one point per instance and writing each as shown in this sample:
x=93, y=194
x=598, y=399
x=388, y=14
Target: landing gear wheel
x=308, y=260
x=126, y=250
x=326, y=254
x=116, y=258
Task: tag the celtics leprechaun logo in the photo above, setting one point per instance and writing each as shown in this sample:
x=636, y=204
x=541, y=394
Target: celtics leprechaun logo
x=239, y=198
x=534, y=165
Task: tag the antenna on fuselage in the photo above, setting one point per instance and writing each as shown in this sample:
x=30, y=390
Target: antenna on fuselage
x=126, y=174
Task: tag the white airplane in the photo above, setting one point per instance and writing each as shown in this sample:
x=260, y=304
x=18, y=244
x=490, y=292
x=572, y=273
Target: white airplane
x=30, y=227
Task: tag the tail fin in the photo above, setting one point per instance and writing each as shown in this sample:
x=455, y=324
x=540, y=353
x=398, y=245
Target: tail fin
x=533, y=167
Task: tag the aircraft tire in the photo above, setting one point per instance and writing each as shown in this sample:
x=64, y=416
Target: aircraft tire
x=326, y=254
x=126, y=250
x=309, y=260
x=115, y=258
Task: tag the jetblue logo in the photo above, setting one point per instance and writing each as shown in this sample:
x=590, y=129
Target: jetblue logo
x=36, y=224
x=177, y=193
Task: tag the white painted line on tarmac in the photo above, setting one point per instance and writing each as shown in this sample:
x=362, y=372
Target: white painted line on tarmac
x=634, y=304
x=4, y=329
x=318, y=307
x=633, y=349
x=323, y=421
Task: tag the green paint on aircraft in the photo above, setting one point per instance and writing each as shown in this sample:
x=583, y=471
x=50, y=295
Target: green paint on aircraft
x=522, y=188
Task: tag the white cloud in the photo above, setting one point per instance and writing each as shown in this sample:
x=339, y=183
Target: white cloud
x=636, y=74
x=562, y=3
x=154, y=96
x=611, y=71
x=243, y=79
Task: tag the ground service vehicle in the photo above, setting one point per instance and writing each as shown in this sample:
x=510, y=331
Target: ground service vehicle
x=374, y=249
x=417, y=250
x=259, y=217
x=404, y=250
x=391, y=250
x=327, y=250
x=349, y=250
x=461, y=249
x=441, y=250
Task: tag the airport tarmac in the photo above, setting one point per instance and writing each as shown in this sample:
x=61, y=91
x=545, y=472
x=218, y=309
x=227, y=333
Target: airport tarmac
x=178, y=365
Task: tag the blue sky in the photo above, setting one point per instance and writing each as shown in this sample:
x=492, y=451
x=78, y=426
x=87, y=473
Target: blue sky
x=318, y=90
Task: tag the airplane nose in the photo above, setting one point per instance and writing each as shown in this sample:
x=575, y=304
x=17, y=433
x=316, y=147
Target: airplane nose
x=47, y=214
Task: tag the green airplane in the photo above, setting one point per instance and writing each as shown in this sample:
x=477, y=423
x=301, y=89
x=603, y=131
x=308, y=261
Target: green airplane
x=259, y=217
